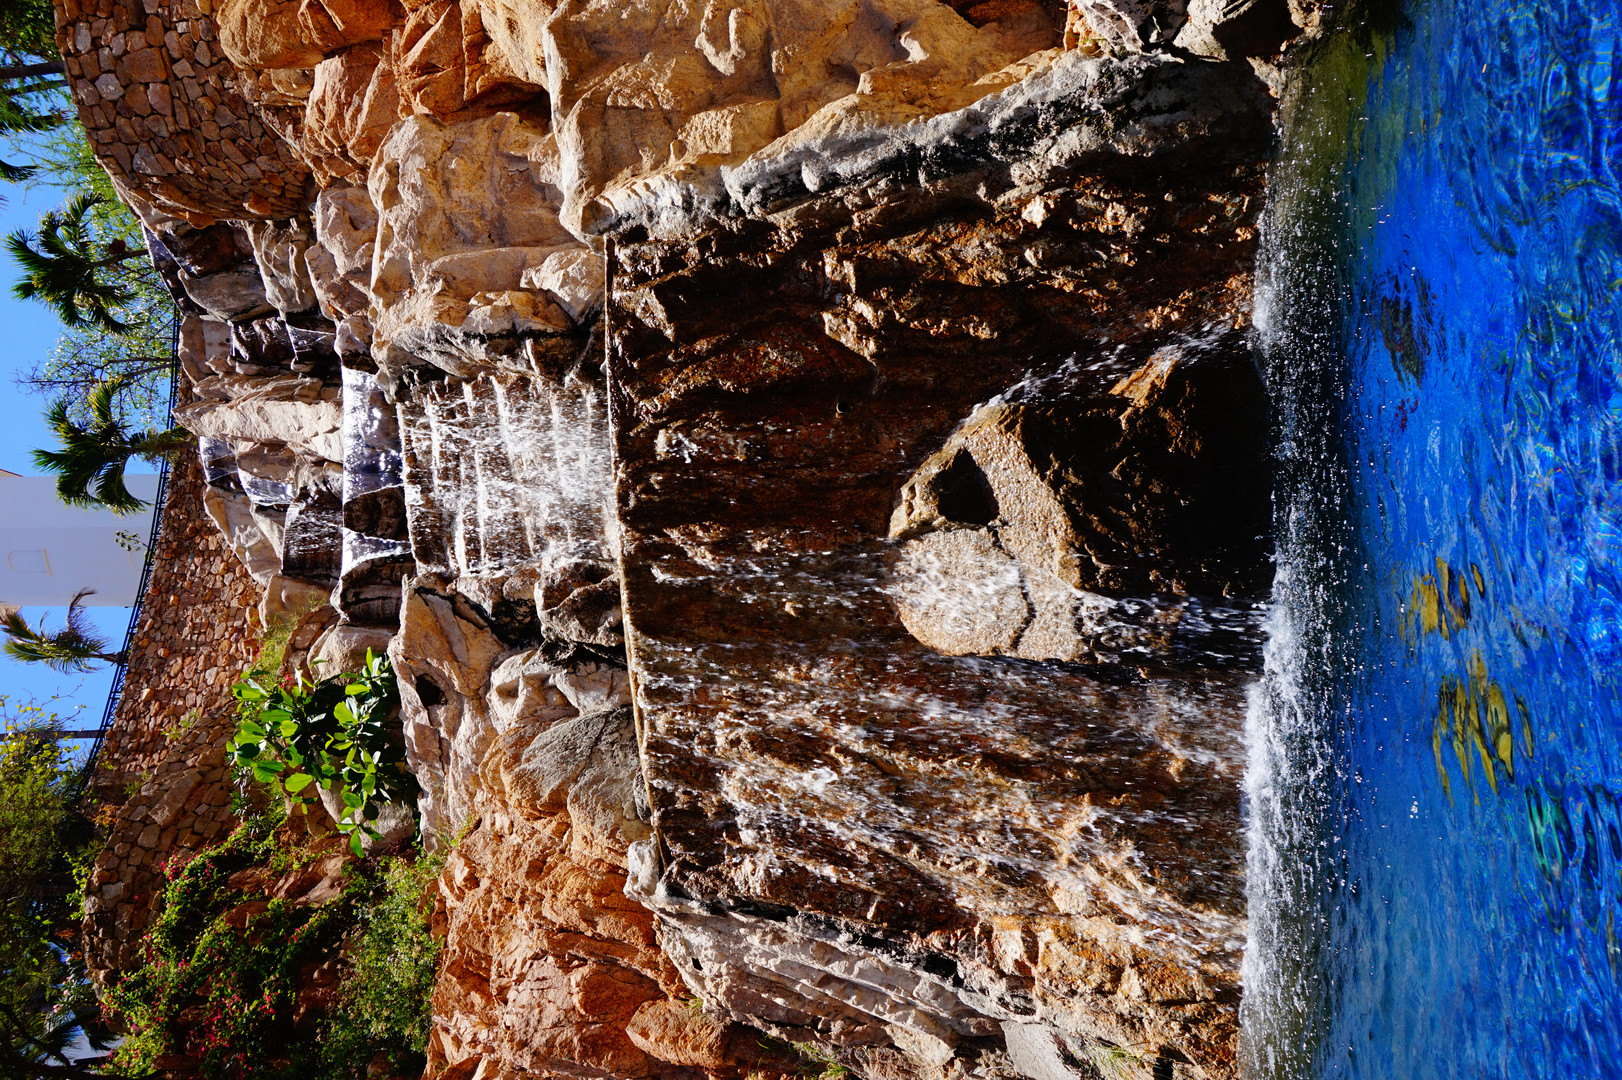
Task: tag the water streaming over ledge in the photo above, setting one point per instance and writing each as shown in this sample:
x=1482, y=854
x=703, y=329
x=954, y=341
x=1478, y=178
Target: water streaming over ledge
x=1435, y=779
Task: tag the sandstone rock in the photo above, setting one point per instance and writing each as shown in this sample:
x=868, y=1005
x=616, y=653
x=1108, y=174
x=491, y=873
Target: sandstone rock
x=467, y=208
x=270, y=34
x=302, y=416
x=285, y=596
x=1233, y=29
x=523, y=692
x=205, y=348
x=278, y=250
x=573, y=278
x=680, y=1034
x=442, y=656
x=550, y=961
x=515, y=52
x=642, y=101
x=395, y=823
x=340, y=265
x=450, y=60
x=233, y=515
x=230, y=294
x=586, y=765
x=343, y=648
x=958, y=591
x=352, y=106
x=1039, y=1053
x=1131, y=25
x=272, y=521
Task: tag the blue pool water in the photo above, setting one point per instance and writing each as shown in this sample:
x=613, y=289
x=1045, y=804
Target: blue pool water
x=1436, y=789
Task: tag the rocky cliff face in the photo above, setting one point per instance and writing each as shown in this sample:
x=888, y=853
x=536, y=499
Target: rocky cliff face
x=804, y=460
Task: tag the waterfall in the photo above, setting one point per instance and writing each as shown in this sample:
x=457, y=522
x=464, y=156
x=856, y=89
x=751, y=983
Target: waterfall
x=1435, y=858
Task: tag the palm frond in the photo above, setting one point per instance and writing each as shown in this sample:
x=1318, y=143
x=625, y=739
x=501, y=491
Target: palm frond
x=90, y=465
x=63, y=268
x=111, y=492
x=69, y=650
x=100, y=401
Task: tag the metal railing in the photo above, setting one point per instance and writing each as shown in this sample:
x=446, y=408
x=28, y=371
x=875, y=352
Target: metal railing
x=115, y=692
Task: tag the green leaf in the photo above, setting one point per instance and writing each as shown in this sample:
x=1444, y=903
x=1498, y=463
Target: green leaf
x=355, y=845
x=298, y=782
x=356, y=689
x=288, y=729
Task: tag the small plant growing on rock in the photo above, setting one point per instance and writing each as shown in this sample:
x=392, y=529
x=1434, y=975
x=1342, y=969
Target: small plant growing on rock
x=299, y=736
x=820, y=1064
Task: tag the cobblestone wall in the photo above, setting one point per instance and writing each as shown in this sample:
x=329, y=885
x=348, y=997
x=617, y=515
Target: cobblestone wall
x=168, y=736
x=160, y=102
x=197, y=632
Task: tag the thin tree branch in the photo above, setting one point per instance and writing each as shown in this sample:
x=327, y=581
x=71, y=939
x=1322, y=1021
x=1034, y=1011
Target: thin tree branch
x=29, y=71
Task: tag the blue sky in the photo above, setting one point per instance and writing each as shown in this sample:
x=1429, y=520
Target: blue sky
x=30, y=330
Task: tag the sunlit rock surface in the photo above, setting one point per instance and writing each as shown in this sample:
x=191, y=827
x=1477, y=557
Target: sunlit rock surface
x=803, y=460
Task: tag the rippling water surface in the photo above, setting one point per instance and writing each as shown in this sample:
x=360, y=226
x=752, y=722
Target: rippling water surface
x=1436, y=857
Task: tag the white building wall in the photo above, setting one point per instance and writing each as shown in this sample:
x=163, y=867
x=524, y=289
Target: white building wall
x=49, y=551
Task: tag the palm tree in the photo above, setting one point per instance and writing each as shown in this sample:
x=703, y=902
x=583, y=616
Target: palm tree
x=94, y=455
x=16, y=119
x=67, y=272
x=67, y=650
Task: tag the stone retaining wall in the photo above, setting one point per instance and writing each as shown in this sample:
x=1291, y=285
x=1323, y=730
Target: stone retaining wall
x=160, y=103
x=196, y=634
x=169, y=732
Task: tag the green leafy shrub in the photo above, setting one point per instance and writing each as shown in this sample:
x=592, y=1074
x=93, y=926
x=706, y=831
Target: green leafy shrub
x=300, y=735
x=383, y=998
x=46, y=847
x=218, y=986
x=221, y=970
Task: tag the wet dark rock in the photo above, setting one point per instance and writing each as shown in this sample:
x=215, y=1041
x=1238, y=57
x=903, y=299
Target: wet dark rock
x=368, y=592
x=312, y=544
x=212, y=249
x=579, y=600
x=311, y=337
x=380, y=513
x=261, y=346
x=777, y=390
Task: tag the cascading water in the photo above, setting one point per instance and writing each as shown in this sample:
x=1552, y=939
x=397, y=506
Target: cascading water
x=1436, y=853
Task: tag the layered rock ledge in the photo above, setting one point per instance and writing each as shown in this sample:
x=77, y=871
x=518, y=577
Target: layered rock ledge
x=805, y=462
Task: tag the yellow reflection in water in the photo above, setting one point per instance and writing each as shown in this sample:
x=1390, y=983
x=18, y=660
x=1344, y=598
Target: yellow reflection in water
x=1440, y=602
x=1473, y=709
x=1473, y=712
